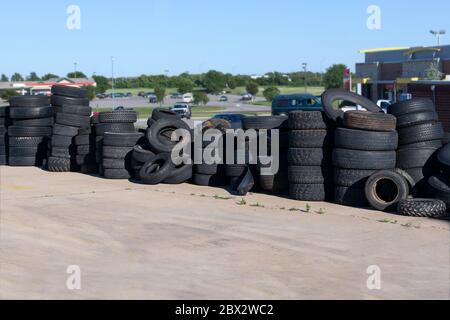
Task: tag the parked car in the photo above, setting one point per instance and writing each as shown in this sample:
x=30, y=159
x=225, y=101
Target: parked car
x=182, y=109
x=176, y=96
x=283, y=104
x=188, y=98
x=141, y=94
x=384, y=104
x=101, y=95
x=128, y=94
x=152, y=98
x=223, y=99
x=247, y=97
x=235, y=119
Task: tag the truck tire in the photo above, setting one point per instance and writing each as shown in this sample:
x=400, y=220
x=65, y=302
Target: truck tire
x=31, y=113
x=439, y=187
x=116, y=174
x=68, y=91
x=366, y=140
x=434, y=144
x=416, y=158
x=74, y=109
x=102, y=128
x=27, y=141
x=157, y=170
x=61, y=141
x=142, y=155
x=159, y=114
x=15, y=131
x=444, y=155
x=29, y=101
x=179, y=174
x=73, y=120
x=370, y=121
x=414, y=119
x=62, y=101
x=352, y=178
x=364, y=160
x=118, y=117
x=63, y=130
x=420, y=133
x=429, y=208
x=350, y=196
x=412, y=106
x=40, y=122
x=384, y=189
x=121, y=139
x=264, y=122
x=159, y=135
x=116, y=152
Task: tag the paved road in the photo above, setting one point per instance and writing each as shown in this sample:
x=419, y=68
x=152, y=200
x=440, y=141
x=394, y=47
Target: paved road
x=133, y=241
x=233, y=105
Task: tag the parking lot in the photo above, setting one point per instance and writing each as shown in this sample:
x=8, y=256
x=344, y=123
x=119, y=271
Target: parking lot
x=187, y=242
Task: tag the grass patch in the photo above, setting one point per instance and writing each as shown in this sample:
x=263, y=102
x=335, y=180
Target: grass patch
x=257, y=205
x=243, y=202
x=217, y=197
x=317, y=91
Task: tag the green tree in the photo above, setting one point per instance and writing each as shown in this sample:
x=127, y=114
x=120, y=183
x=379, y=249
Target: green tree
x=231, y=83
x=433, y=72
x=16, y=77
x=77, y=74
x=333, y=77
x=185, y=85
x=49, y=76
x=214, y=81
x=33, y=77
x=252, y=88
x=4, y=78
x=90, y=92
x=6, y=94
x=270, y=93
x=200, y=98
x=160, y=93
x=102, y=84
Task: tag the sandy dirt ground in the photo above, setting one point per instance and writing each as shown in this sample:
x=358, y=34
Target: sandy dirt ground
x=132, y=241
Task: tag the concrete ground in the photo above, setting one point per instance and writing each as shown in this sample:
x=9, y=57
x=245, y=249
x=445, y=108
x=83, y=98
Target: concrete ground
x=133, y=241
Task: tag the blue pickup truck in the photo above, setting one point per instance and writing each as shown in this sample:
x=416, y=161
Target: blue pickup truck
x=283, y=104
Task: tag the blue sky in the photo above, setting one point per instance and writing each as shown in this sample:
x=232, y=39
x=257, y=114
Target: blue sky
x=237, y=36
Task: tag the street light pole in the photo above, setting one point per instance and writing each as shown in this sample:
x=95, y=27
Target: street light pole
x=75, y=69
x=112, y=84
x=438, y=34
x=305, y=69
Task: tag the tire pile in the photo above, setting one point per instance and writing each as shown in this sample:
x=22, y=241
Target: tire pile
x=32, y=121
x=3, y=135
x=70, y=143
x=115, y=138
x=152, y=158
x=309, y=156
x=420, y=136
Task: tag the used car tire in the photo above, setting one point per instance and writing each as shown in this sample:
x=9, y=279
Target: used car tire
x=412, y=106
x=73, y=120
x=55, y=164
x=352, y=178
x=208, y=180
x=413, y=119
x=27, y=141
x=366, y=140
x=332, y=95
x=157, y=170
x=440, y=188
x=118, y=117
x=15, y=131
x=308, y=120
x=351, y=196
x=444, y=155
x=63, y=101
x=142, y=155
x=81, y=140
x=159, y=134
x=434, y=144
x=61, y=152
x=364, y=160
x=307, y=157
x=159, y=113
x=63, y=130
x=308, y=174
x=264, y=122
x=74, y=109
x=429, y=208
x=40, y=122
x=22, y=161
x=307, y=192
x=31, y=112
x=24, y=151
x=416, y=158
x=235, y=170
x=29, y=101
x=61, y=141
x=370, y=121
x=179, y=174
x=68, y=91
x=208, y=169
x=102, y=128
x=384, y=189
x=309, y=139
x=117, y=174
x=115, y=139
x=114, y=163
x=421, y=132
x=116, y=152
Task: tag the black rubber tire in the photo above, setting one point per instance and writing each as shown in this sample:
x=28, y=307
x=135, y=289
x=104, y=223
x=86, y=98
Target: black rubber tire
x=29, y=101
x=28, y=141
x=308, y=174
x=61, y=141
x=444, y=155
x=235, y=170
x=366, y=140
x=116, y=152
x=42, y=122
x=157, y=137
x=413, y=119
x=31, y=112
x=351, y=196
x=3, y=122
x=55, y=164
x=116, y=174
x=384, y=189
x=264, y=122
x=208, y=180
x=63, y=130
x=207, y=169
x=416, y=158
x=180, y=174
x=309, y=139
x=61, y=152
x=3, y=160
x=74, y=109
x=308, y=120
x=73, y=120
x=352, y=178
x=4, y=111
x=422, y=132
x=121, y=139
x=329, y=96
x=446, y=139
x=81, y=140
x=370, y=121
x=428, y=208
x=157, y=170
x=68, y=91
x=159, y=114
x=22, y=161
x=118, y=117
x=142, y=155
x=412, y=106
x=85, y=160
x=439, y=187
x=102, y=128
x=63, y=101
x=434, y=144
x=114, y=163
x=25, y=151
x=84, y=149
x=307, y=157
x=14, y=131
x=364, y=160
x=307, y=192
x=277, y=183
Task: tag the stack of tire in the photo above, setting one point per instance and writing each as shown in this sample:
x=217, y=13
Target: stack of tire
x=420, y=136
x=309, y=156
x=3, y=135
x=73, y=125
x=439, y=184
x=365, y=142
x=115, y=138
x=152, y=158
x=32, y=121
